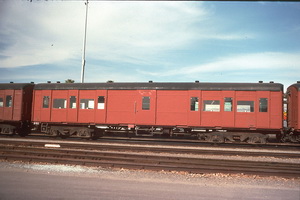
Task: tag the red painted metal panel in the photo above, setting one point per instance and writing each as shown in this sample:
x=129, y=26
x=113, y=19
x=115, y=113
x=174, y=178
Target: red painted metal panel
x=145, y=113
x=101, y=108
x=245, y=118
x=45, y=112
x=122, y=106
x=17, y=105
x=59, y=106
x=87, y=105
x=293, y=108
x=211, y=109
x=276, y=110
x=263, y=118
x=72, y=106
x=8, y=110
x=172, y=107
x=195, y=108
x=227, y=109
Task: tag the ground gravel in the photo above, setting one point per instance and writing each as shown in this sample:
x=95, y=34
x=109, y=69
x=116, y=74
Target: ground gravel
x=216, y=179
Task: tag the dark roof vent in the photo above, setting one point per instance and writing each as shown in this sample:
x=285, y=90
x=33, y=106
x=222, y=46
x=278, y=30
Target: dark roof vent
x=11, y=82
x=298, y=81
x=197, y=81
x=32, y=82
x=48, y=81
x=271, y=81
x=109, y=81
x=260, y=81
x=57, y=81
x=150, y=81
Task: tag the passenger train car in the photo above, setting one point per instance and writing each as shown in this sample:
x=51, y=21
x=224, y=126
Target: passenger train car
x=214, y=112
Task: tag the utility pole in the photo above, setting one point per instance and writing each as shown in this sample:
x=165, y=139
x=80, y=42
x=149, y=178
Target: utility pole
x=84, y=43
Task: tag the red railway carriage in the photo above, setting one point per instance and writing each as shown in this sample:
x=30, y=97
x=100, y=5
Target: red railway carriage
x=15, y=107
x=158, y=107
x=293, y=99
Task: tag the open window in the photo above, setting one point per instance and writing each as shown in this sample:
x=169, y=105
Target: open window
x=73, y=102
x=101, y=102
x=60, y=103
x=1, y=102
x=8, y=102
x=227, y=104
x=87, y=103
x=194, y=103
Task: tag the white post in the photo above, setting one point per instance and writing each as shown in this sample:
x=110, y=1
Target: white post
x=84, y=44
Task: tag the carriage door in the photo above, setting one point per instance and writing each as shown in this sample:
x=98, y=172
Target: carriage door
x=145, y=107
x=227, y=107
x=72, y=107
x=8, y=105
x=245, y=109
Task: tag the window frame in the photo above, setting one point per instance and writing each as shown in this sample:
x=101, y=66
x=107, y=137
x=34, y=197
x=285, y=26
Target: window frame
x=146, y=103
x=8, y=101
x=212, y=103
x=194, y=104
x=241, y=106
x=58, y=102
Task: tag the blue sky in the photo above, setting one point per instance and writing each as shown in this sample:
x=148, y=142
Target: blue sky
x=140, y=41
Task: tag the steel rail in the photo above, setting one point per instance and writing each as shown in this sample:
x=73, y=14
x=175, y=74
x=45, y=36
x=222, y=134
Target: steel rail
x=155, y=148
x=150, y=162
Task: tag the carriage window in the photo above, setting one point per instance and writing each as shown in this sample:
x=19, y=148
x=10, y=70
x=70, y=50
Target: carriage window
x=146, y=103
x=1, y=102
x=245, y=106
x=60, y=103
x=101, y=102
x=227, y=104
x=263, y=105
x=73, y=102
x=211, y=105
x=87, y=103
x=8, y=102
x=194, y=104
x=46, y=101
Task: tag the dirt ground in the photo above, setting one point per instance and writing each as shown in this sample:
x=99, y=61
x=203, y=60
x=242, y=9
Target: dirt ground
x=43, y=181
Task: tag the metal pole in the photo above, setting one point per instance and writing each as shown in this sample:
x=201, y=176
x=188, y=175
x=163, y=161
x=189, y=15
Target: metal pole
x=84, y=44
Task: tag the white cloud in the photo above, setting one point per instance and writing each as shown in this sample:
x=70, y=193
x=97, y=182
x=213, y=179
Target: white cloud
x=257, y=62
x=136, y=32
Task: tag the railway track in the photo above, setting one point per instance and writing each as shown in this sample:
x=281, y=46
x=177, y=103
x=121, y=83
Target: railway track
x=145, y=157
x=147, y=162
